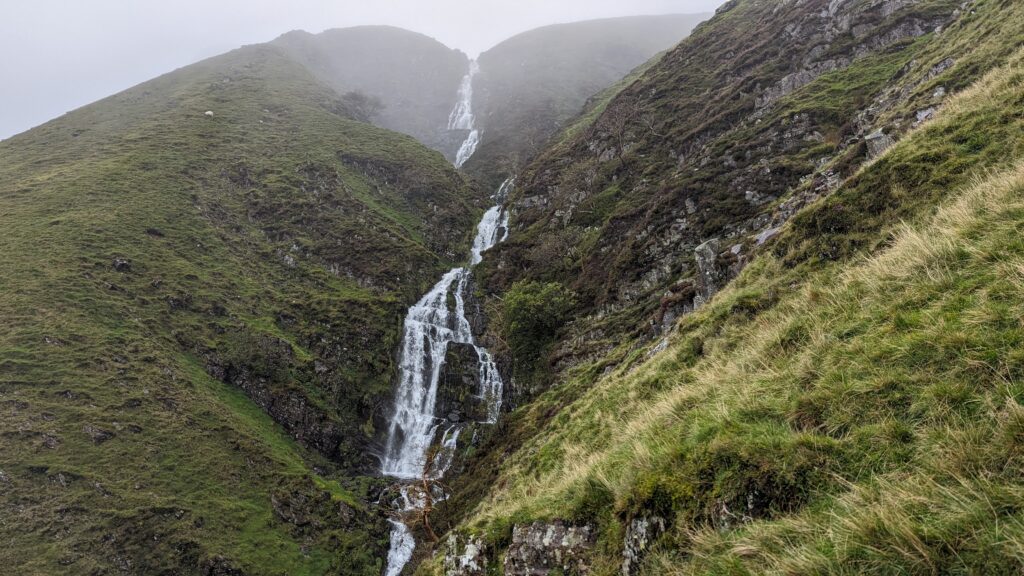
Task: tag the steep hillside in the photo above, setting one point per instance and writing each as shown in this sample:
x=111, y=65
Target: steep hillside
x=415, y=78
x=531, y=84
x=792, y=274
x=202, y=281
x=724, y=145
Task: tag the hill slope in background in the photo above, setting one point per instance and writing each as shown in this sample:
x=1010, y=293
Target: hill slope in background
x=793, y=308
x=415, y=77
x=532, y=83
x=527, y=87
x=200, y=313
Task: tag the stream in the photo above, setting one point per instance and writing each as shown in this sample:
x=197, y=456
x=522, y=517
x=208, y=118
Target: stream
x=437, y=320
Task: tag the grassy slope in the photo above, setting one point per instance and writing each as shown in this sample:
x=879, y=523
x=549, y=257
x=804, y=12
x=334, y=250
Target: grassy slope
x=688, y=133
x=850, y=400
x=119, y=451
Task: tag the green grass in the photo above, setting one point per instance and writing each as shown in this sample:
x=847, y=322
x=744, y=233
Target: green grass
x=849, y=404
x=277, y=239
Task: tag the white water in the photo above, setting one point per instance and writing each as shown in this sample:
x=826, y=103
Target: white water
x=430, y=326
x=462, y=117
x=402, y=546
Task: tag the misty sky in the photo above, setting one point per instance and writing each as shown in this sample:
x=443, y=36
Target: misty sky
x=62, y=54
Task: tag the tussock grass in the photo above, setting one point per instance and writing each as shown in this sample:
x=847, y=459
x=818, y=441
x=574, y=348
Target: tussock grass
x=863, y=418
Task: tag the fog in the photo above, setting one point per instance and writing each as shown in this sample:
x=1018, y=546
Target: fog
x=62, y=54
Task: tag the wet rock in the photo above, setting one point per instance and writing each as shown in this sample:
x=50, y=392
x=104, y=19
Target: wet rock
x=292, y=508
x=459, y=385
x=469, y=559
x=256, y=376
x=640, y=535
x=542, y=548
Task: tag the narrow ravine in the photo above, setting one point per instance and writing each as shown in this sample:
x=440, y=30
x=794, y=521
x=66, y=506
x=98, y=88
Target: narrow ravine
x=420, y=445
x=462, y=117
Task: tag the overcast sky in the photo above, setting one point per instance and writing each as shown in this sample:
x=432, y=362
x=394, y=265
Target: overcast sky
x=58, y=55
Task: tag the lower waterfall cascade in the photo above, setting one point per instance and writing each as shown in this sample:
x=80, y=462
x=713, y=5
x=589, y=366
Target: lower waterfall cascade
x=430, y=326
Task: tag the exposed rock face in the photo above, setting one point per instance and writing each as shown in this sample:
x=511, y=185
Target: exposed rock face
x=878, y=142
x=469, y=559
x=457, y=398
x=792, y=82
x=709, y=273
x=541, y=548
x=291, y=409
x=640, y=534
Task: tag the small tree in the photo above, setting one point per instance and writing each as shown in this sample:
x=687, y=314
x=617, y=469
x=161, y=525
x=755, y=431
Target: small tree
x=532, y=315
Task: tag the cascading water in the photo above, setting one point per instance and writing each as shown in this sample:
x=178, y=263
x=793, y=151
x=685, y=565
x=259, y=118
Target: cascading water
x=430, y=326
x=462, y=117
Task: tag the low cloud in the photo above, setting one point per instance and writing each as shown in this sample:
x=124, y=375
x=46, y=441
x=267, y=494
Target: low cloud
x=62, y=54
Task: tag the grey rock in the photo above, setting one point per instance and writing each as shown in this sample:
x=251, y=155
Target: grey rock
x=766, y=235
x=940, y=68
x=98, y=435
x=541, y=548
x=925, y=115
x=878, y=142
x=465, y=559
x=709, y=274
x=793, y=82
x=640, y=535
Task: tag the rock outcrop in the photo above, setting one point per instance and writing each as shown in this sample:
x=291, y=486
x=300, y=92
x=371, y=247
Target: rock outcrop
x=541, y=548
x=640, y=535
x=465, y=556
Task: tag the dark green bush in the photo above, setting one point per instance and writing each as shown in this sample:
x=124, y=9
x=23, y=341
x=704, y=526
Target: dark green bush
x=532, y=314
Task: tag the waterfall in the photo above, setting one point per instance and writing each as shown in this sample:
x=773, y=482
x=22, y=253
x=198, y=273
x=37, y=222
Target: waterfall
x=435, y=321
x=462, y=117
x=402, y=546
x=430, y=326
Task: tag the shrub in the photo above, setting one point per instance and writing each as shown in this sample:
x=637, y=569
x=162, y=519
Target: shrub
x=532, y=314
